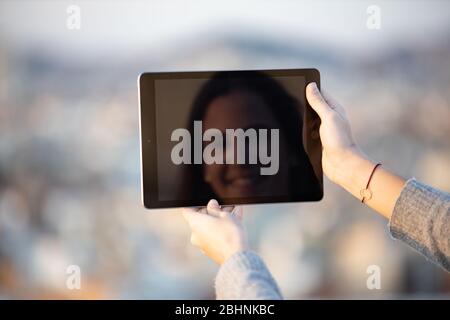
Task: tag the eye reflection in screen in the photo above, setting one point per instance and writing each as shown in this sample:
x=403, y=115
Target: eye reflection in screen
x=249, y=100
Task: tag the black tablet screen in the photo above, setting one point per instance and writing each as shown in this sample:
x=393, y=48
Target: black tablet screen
x=238, y=137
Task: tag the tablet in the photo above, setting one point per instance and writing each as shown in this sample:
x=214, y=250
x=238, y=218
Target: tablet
x=241, y=137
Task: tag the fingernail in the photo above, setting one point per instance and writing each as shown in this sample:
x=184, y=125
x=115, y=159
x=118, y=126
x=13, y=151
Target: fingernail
x=213, y=203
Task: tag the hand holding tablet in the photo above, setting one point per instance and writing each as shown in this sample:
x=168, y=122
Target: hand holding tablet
x=235, y=136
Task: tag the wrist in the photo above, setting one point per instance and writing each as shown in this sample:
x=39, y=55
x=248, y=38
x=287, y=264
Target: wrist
x=353, y=170
x=241, y=247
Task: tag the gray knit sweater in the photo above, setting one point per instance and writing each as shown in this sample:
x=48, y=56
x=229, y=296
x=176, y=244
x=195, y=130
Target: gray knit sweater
x=421, y=219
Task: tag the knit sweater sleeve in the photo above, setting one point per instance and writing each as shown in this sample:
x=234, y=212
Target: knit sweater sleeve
x=421, y=219
x=244, y=276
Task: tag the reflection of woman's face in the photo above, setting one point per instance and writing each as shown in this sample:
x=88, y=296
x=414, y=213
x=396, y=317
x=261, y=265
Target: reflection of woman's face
x=244, y=109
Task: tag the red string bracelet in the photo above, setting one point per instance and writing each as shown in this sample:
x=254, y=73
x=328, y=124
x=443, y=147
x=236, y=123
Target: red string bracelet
x=366, y=194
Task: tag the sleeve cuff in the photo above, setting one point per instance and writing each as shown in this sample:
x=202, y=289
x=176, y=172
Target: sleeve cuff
x=245, y=276
x=411, y=210
x=419, y=220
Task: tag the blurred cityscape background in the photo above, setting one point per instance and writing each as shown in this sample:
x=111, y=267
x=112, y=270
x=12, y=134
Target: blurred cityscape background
x=69, y=142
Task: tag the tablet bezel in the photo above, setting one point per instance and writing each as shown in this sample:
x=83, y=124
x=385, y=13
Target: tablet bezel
x=147, y=132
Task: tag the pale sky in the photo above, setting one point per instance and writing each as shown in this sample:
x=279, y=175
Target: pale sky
x=112, y=25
